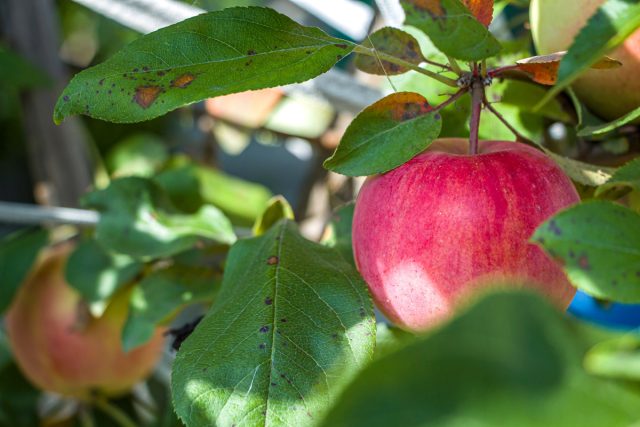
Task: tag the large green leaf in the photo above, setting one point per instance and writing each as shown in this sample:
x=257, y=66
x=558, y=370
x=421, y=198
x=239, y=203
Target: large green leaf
x=452, y=28
x=98, y=274
x=18, y=251
x=385, y=135
x=292, y=324
x=138, y=220
x=212, y=54
x=511, y=360
x=612, y=23
x=161, y=294
x=598, y=244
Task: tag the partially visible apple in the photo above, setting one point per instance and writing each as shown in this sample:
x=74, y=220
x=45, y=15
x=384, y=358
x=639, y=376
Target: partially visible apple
x=61, y=348
x=446, y=225
x=608, y=93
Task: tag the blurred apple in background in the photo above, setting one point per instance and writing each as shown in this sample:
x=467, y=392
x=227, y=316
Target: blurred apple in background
x=609, y=93
x=61, y=348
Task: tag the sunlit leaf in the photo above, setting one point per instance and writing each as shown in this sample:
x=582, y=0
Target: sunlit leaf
x=277, y=209
x=598, y=244
x=627, y=176
x=216, y=53
x=385, y=135
x=452, y=28
x=292, y=324
x=137, y=219
x=543, y=69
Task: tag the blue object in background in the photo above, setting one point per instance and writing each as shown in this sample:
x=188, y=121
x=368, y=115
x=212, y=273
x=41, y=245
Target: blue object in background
x=613, y=315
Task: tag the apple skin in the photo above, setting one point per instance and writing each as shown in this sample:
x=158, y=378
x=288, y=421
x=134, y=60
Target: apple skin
x=58, y=345
x=445, y=225
x=608, y=93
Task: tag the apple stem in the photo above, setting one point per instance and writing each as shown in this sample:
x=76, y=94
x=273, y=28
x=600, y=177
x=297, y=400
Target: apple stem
x=116, y=414
x=477, y=96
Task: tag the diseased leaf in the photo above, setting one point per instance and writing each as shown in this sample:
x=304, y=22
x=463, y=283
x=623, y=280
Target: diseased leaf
x=18, y=252
x=481, y=9
x=212, y=54
x=627, y=176
x=452, y=28
x=277, y=209
x=510, y=360
x=608, y=127
x=598, y=244
x=138, y=220
x=390, y=41
x=612, y=23
x=292, y=324
x=159, y=296
x=543, y=69
x=385, y=135
x=97, y=274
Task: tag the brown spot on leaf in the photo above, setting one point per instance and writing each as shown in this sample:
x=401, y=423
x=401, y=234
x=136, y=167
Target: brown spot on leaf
x=432, y=7
x=583, y=262
x=161, y=73
x=273, y=260
x=553, y=227
x=264, y=329
x=268, y=301
x=251, y=52
x=145, y=68
x=183, y=80
x=65, y=98
x=146, y=95
x=101, y=82
x=341, y=45
x=262, y=346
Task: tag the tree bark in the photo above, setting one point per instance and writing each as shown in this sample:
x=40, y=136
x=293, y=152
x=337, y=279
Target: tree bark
x=59, y=158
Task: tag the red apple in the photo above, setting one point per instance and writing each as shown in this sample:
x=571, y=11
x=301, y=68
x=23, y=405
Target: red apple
x=446, y=225
x=608, y=93
x=61, y=348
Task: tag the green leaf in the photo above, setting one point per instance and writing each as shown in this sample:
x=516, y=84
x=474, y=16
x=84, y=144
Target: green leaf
x=385, y=135
x=452, y=28
x=160, y=295
x=190, y=186
x=138, y=220
x=212, y=54
x=337, y=235
x=511, y=360
x=277, y=209
x=293, y=323
x=97, y=274
x=611, y=126
x=18, y=252
x=390, y=338
x=598, y=244
x=141, y=154
x=612, y=23
x=627, y=176
x=618, y=358
x=18, y=399
x=584, y=173
x=394, y=42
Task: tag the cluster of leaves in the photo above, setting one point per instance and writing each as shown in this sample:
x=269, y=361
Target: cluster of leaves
x=291, y=323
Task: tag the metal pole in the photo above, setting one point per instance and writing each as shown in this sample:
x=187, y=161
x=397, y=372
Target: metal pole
x=19, y=213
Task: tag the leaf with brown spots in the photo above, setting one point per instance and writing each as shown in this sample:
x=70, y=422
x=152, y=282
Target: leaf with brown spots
x=385, y=135
x=481, y=9
x=452, y=27
x=291, y=326
x=599, y=246
x=216, y=53
x=390, y=41
x=544, y=69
